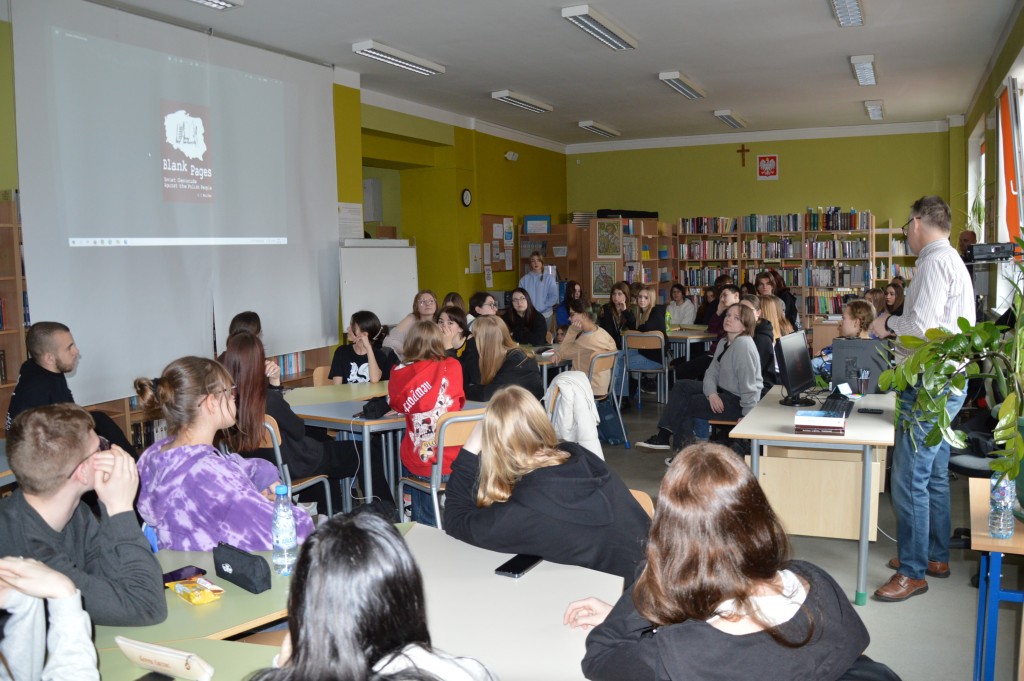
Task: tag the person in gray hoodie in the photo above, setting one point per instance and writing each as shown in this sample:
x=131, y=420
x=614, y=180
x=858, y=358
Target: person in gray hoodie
x=515, y=489
x=731, y=386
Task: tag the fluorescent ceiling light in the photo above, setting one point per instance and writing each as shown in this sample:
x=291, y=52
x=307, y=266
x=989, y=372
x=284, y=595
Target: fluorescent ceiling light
x=864, y=68
x=847, y=12
x=522, y=101
x=874, y=109
x=599, y=27
x=389, y=55
x=600, y=129
x=730, y=119
x=675, y=81
x=220, y=4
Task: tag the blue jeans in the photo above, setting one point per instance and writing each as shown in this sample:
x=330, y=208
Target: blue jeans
x=636, y=361
x=422, y=504
x=920, y=490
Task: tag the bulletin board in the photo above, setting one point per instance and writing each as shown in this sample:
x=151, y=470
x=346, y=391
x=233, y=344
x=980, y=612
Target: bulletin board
x=497, y=238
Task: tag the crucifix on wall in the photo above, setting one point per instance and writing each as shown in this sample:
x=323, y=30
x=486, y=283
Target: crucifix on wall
x=742, y=151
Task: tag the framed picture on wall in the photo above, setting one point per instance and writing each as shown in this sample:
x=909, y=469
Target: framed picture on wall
x=609, y=239
x=602, y=276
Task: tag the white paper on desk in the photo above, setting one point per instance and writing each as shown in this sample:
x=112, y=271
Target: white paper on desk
x=498, y=231
x=488, y=276
x=475, y=264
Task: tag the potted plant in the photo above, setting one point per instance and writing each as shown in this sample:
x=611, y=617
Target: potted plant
x=986, y=350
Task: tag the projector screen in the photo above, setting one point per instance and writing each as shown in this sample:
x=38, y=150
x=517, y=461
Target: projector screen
x=169, y=180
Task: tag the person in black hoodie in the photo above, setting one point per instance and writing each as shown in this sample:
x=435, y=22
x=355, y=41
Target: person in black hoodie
x=515, y=489
x=764, y=340
x=497, y=362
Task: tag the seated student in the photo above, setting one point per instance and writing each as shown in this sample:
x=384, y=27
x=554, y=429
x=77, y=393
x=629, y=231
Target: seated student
x=573, y=290
x=306, y=452
x=650, y=316
x=453, y=298
x=33, y=593
x=516, y=489
x=455, y=330
x=426, y=386
x=876, y=297
x=856, y=323
x=680, y=308
x=190, y=493
x=731, y=386
x=894, y=298
x=584, y=340
x=719, y=597
x=498, y=362
x=708, y=305
x=728, y=296
x=770, y=283
x=560, y=333
x=524, y=322
x=764, y=340
x=359, y=566
x=481, y=304
x=364, y=359
x=246, y=321
x=616, y=317
x=56, y=457
x=424, y=306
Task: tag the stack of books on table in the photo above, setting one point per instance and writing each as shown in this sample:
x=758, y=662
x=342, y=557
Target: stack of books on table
x=819, y=423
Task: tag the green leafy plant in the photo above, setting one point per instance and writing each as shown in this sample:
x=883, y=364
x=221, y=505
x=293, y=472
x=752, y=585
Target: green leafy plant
x=943, y=361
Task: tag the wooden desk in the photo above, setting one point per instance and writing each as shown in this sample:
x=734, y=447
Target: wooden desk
x=236, y=612
x=229, y=659
x=523, y=636
x=687, y=336
x=344, y=392
x=990, y=591
x=770, y=424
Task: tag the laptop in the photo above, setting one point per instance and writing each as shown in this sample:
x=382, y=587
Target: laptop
x=852, y=356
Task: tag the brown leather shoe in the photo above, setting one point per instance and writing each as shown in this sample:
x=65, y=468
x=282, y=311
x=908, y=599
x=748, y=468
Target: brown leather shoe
x=935, y=568
x=900, y=588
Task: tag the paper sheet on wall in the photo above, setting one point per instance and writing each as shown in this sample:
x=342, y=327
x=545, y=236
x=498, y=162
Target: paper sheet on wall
x=350, y=221
x=487, y=253
x=475, y=266
x=508, y=258
x=498, y=231
x=510, y=231
x=488, y=277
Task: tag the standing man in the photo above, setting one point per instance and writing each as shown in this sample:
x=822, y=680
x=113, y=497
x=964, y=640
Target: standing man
x=42, y=379
x=542, y=287
x=941, y=293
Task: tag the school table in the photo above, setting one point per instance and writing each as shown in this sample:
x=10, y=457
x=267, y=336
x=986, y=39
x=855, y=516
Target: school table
x=545, y=362
x=343, y=392
x=770, y=424
x=688, y=336
x=990, y=590
x=236, y=612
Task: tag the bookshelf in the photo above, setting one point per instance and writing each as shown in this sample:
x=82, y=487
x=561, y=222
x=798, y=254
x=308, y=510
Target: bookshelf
x=12, y=301
x=566, y=246
x=649, y=253
x=891, y=255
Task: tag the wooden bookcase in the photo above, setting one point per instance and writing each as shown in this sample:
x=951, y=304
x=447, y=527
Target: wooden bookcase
x=891, y=255
x=569, y=239
x=12, y=292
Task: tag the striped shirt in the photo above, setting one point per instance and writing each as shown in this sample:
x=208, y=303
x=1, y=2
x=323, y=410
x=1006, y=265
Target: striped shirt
x=941, y=293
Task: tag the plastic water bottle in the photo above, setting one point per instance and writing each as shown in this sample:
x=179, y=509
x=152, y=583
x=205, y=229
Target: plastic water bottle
x=1000, y=514
x=668, y=320
x=283, y=532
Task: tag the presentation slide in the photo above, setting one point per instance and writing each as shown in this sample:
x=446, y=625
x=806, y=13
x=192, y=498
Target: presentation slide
x=194, y=150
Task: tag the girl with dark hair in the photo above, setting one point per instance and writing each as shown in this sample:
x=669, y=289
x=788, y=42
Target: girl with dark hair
x=573, y=291
x=616, y=316
x=781, y=291
x=424, y=307
x=894, y=299
x=731, y=386
x=453, y=298
x=708, y=304
x=358, y=566
x=305, y=452
x=498, y=362
x=719, y=598
x=680, y=308
x=426, y=386
x=516, y=489
x=246, y=321
x=364, y=359
x=193, y=495
x=524, y=322
x=584, y=340
x=454, y=329
x=481, y=304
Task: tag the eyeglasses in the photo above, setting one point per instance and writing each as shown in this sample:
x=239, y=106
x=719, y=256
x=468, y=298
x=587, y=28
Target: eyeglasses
x=906, y=225
x=232, y=390
x=427, y=302
x=491, y=304
x=520, y=299
x=103, y=447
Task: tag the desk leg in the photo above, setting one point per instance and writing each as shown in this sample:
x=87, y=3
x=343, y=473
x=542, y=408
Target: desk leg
x=979, y=636
x=995, y=579
x=367, y=454
x=755, y=459
x=865, y=526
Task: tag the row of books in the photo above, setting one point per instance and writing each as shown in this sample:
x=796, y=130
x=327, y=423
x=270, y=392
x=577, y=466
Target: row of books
x=820, y=250
x=708, y=250
x=704, y=276
x=899, y=248
x=292, y=363
x=145, y=433
x=646, y=227
x=782, y=248
x=882, y=271
x=707, y=225
x=528, y=246
x=791, y=276
x=825, y=303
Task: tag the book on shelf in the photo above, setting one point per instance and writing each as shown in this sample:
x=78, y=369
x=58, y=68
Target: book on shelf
x=707, y=225
x=3, y=366
x=24, y=300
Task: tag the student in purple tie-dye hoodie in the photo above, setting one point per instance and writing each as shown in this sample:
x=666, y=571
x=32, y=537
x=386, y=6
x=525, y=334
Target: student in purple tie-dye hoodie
x=192, y=494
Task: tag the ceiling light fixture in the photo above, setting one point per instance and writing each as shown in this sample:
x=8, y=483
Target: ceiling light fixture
x=729, y=118
x=675, y=81
x=864, y=68
x=522, y=101
x=599, y=27
x=847, y=12
x=404, y=60
x=874, y=109
x=220, y=4
x=600, y=129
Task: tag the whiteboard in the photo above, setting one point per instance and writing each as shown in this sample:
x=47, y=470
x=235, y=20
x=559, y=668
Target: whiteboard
x=382, y=280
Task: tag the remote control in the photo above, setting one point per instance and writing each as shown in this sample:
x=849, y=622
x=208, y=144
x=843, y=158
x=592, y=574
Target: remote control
x=869, y=411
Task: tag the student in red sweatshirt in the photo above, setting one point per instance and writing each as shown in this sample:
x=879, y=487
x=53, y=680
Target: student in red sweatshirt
x=427, y=385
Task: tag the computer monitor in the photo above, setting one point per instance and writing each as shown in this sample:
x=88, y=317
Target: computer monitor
x=794, y=357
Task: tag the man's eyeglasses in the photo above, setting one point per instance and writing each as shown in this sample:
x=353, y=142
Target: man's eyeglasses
x=104, y=446
x=905, y=226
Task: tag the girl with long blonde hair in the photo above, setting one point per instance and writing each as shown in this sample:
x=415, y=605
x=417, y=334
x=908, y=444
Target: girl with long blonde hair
x=498, y=362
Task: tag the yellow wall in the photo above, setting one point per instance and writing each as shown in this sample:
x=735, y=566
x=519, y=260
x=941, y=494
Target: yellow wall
x=884, y=174
x=391, y=195
x=8, y=142
x=348, y=144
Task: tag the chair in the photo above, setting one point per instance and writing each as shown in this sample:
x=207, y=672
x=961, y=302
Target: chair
x=552, y=402
x=453, y=429
x=599, y=363
x=320, y=376
x=644, y=499
x=648, y=340
x=272, y=440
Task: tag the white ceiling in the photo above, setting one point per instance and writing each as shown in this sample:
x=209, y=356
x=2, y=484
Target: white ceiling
x=779, y=64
